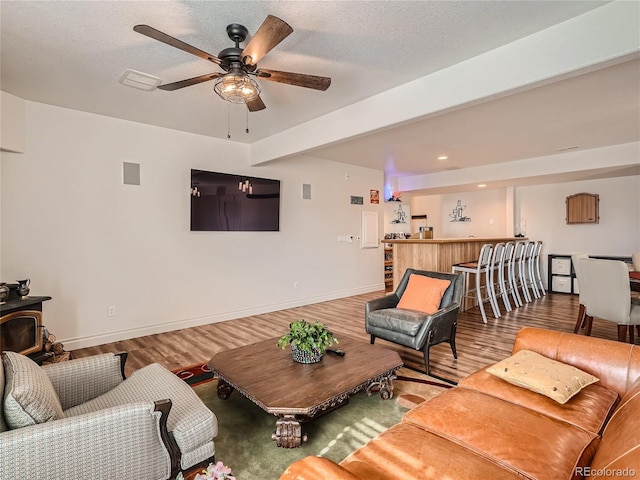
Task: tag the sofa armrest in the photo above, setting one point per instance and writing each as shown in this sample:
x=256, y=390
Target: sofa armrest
x=440, y=324
x=388, y=301
x=444, y=317
x=83, y=379
x=616, y=364
x=449, y=310
x=121, y=440
x=316, y=468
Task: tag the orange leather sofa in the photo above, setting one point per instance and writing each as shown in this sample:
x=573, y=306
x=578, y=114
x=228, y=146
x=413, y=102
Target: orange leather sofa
x=488, y=429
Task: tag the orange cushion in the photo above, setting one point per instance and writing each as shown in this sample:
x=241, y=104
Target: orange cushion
x=423, y=293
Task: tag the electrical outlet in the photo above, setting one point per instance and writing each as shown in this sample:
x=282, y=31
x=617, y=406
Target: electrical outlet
x=111, y=311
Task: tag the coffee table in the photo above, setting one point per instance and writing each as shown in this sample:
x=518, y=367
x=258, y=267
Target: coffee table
x=296, y=393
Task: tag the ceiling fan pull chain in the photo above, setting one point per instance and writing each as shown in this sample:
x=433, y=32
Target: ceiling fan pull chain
x=247, y=112
x=229, y=121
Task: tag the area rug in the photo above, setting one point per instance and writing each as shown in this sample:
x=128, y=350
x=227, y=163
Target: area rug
x=195, y=374
x=244, y=429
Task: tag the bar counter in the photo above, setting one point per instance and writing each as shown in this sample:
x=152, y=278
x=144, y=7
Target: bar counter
x=438, y=254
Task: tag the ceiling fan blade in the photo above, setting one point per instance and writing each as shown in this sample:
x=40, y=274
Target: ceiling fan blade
x=174, y=42
x=191, y=81
x=269, y=34
x=256, y=105
x=298, y=79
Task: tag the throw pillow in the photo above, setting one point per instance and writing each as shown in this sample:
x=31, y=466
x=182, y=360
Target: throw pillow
x=542, y=375
x=29, y=396
x=423, y=293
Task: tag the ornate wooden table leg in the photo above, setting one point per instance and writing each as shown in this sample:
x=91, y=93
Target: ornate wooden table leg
x=224, y=389
x=288, y=432
x=385, y=385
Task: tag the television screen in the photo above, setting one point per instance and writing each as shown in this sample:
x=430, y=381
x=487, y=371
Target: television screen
x=227, y=202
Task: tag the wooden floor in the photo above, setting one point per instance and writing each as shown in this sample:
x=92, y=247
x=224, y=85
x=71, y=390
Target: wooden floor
x=478, y=344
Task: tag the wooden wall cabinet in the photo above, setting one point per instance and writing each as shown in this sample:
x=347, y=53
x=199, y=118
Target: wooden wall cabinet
x=583, y=208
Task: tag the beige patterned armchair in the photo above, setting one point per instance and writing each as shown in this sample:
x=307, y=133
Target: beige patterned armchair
x=83, y=419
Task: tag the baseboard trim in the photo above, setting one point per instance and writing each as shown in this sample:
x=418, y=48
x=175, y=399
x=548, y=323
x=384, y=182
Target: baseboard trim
x=93, y=340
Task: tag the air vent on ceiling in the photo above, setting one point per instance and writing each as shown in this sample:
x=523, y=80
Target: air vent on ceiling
x=139, y=80
x=452, y=167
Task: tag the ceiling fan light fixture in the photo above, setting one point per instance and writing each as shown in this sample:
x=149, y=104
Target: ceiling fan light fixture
x=235, y=85
x=237, y=88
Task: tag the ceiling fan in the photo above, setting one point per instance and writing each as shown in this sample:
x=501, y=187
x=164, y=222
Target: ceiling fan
x=235, y=84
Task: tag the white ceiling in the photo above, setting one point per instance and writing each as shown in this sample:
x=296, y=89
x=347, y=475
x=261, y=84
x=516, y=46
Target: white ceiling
x=71, y=54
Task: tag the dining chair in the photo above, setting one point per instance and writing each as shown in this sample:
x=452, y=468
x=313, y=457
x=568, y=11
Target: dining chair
x=608, y=294
x=575, y=262
x=478, y=268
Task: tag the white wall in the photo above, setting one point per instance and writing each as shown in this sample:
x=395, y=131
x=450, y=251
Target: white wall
x=12, y=123
x=90, y=242
x=486, y=208
x=543, y=210
x=393, y=213
x=617, y=234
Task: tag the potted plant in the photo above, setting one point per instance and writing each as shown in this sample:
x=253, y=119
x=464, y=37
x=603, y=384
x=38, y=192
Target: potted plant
x=308, y=340
x=219, y=471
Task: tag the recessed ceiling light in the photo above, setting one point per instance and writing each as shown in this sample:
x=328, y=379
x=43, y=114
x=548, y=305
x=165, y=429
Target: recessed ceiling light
x=443, y=157
x=482, y=185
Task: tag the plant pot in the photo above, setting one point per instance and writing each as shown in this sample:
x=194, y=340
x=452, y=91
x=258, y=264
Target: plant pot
x=302, y=356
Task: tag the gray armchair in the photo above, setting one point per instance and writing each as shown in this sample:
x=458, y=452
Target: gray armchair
x=412, y=328
x=83, y=419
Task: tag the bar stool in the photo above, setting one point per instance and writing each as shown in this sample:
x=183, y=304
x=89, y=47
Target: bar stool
x=530, y=275
x=482, y=265
x=536, y=267
x=498, y=287
x=510, y=266
x=521, y=272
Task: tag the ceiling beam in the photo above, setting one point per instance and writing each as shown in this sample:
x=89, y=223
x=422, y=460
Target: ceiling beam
x=598, y=38
x=594, y=163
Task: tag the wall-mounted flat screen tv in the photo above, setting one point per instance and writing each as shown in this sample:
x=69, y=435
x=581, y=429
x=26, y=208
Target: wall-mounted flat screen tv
x=227, y=202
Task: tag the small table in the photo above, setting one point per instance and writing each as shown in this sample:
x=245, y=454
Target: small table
x=296, y=392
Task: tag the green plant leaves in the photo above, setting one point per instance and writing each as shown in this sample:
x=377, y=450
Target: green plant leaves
x=308, y=336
